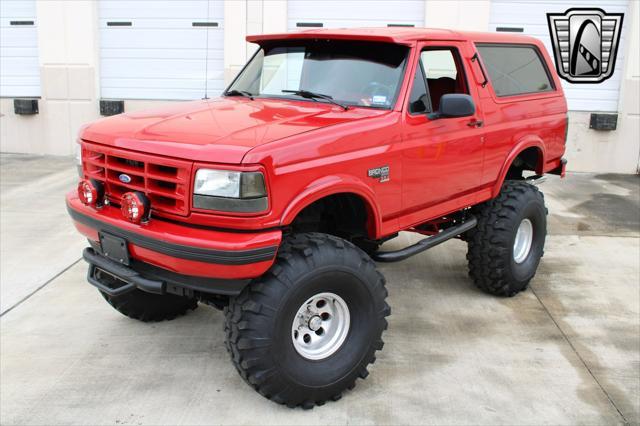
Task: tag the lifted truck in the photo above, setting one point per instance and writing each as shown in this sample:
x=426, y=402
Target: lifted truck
x=271, y=201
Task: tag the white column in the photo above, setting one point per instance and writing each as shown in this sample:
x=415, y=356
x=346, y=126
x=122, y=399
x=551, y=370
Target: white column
x=69, y=55
x=274, y=17
x=235, y=31
x=242, y=18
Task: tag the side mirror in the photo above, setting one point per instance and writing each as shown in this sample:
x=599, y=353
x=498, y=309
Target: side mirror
x=454, y=105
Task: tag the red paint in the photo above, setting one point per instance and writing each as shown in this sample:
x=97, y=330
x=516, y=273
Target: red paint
x=184, y=235
x=309, y=150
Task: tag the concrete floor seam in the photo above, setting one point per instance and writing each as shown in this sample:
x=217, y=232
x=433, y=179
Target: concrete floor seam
x=24, y=299
x=566, y=338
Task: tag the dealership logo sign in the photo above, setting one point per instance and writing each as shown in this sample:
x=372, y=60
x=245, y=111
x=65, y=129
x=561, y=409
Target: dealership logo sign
x=585, y=43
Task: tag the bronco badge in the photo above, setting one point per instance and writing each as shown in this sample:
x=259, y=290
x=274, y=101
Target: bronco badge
x=585, y=43
x=381, y=173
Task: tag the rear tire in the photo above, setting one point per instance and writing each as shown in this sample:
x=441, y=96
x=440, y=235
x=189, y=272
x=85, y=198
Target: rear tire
x=505, y=249
x=149, y=307
x=270, y=326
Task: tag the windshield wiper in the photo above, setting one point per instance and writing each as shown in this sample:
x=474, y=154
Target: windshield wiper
x=313, y=95
x=235, y=92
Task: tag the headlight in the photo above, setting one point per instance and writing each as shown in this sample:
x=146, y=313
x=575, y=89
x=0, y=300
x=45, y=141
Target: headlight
x=217, y=183
x=230, y=191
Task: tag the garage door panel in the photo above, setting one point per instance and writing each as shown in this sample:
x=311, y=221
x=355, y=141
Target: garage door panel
x=522, y=10
x=350, y=23
x=151, y=83
x=578, y=93
x=21, y=52
x=21, y=80
x=161, y=54
x=216, y=67
x=19, y=64
x=160, y=24
x=154, y=68
x=166, y=93
x=216, y=54
x=148, y=39
x=531, y=17
x=195, y=54
x=334, y=13
x=153, y=9
x=151, y=54
x=17, y=8
x=216, y=38
x=15, y=36
x=215, y=86
x=371, y=10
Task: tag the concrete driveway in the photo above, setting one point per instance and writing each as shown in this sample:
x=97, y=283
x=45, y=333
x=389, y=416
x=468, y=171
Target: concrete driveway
x=567, y=351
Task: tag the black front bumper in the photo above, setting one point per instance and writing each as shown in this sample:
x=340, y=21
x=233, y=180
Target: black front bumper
x=116, y=279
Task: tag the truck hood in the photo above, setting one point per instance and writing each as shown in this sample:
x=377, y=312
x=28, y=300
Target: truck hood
x=219, y=130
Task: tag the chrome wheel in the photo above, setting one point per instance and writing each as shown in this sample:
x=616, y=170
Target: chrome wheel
x=320, y=326
x=523, y=241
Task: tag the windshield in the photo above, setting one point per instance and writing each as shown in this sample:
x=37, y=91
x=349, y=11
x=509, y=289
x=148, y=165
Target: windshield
x=352, y=73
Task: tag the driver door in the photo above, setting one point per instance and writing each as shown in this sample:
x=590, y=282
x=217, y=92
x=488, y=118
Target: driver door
x=442, y=158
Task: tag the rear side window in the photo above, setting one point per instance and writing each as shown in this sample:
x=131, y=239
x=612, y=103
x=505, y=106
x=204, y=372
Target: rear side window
x=515, y=69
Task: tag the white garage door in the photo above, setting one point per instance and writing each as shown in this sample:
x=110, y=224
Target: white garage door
x=529, y=17
x=19, y=49
x=161, y=49
x=354, y=13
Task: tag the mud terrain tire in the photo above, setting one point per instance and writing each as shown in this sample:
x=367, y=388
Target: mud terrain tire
x=496, y=263
x=260, y=322
x=148, y=307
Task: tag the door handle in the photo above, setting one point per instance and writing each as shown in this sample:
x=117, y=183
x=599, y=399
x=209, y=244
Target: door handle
x=475, y=123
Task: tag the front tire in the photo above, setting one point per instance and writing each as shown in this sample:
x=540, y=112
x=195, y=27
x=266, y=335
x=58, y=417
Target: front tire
x=148, y=307
x=505, y=248
x=305, y=331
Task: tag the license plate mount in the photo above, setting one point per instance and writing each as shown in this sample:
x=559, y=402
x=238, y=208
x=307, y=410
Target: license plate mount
x=114, y=248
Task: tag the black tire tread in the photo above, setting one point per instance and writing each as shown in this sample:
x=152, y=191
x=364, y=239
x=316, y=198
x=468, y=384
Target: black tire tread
x=148, y=307
x=487, y=244
x=247, y=353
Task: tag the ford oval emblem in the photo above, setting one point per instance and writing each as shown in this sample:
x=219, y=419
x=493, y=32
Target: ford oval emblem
x=124, y=178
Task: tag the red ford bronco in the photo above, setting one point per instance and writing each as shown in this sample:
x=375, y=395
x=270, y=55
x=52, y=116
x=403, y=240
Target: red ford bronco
x=271, y=201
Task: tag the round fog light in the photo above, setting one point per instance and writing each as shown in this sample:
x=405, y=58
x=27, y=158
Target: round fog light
x=135, y=206
x=90, y=192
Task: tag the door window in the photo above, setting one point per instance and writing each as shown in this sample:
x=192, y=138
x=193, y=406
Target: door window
x=419, y=102
x=443, y=72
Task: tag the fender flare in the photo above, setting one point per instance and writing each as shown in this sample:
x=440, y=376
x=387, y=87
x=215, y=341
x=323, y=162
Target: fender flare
x=333, y=185
x=521, y=145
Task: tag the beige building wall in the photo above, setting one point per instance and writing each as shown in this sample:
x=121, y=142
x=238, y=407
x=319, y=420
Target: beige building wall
x=69, y=63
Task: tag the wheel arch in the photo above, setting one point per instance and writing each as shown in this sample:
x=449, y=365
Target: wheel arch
x=336, y=185
x=530, y=148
